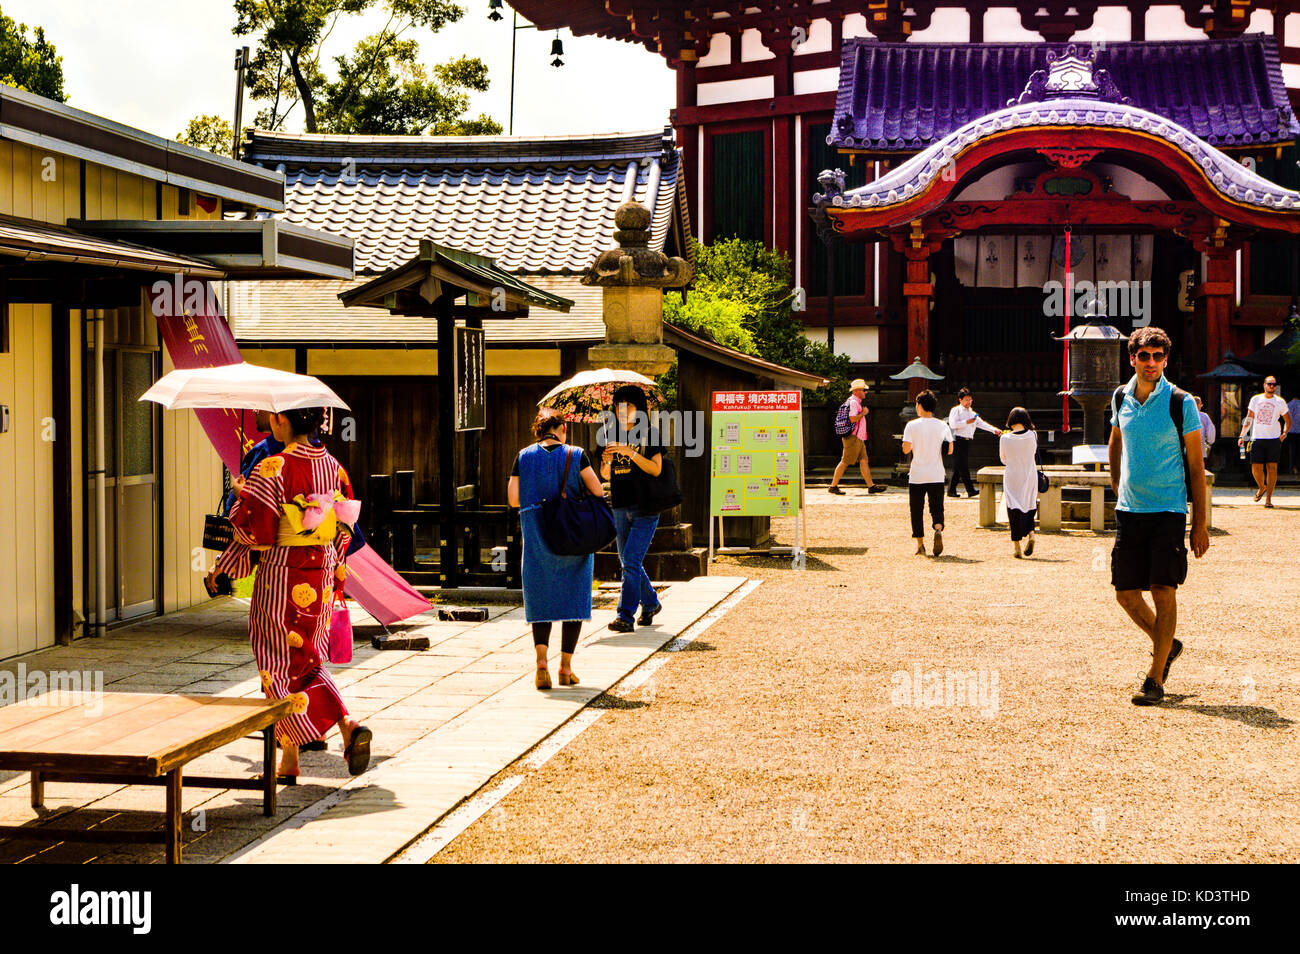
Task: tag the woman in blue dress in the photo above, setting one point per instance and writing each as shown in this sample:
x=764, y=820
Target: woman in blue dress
x=556, y=588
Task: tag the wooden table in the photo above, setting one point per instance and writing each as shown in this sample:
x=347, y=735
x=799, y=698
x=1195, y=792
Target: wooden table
x=132, y=738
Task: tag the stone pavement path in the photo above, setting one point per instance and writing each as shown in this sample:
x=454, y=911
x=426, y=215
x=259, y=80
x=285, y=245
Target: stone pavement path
x=445, y=720
x=796, y=732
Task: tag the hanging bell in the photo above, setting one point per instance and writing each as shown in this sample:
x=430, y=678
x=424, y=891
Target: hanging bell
x=557, y=50
x=494, y=9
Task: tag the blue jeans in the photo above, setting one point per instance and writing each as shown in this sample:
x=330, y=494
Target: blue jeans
x=635, y=532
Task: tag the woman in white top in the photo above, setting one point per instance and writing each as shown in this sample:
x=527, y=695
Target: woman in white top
x=1019, y=451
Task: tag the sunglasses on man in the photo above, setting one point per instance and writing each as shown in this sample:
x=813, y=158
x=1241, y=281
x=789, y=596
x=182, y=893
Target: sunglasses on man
x=1270, y=384
x=1151, y=356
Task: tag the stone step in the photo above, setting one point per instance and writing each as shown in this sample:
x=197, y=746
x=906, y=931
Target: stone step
x=673, y=565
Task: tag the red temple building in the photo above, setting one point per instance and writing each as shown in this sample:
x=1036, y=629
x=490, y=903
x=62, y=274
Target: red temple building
x=970, y=136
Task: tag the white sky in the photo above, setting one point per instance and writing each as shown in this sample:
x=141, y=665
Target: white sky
x=154, y=64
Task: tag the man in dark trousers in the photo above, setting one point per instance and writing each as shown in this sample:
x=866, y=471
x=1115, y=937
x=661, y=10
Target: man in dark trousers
x=1152, y=430
x=962, y=421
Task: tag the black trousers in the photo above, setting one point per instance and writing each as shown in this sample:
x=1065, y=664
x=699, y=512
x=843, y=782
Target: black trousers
x=1022, y=522
x=916, y=496
x=961, y=466
x=570, y=630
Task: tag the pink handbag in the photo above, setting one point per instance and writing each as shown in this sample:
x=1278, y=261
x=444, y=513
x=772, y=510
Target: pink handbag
x=340, y=631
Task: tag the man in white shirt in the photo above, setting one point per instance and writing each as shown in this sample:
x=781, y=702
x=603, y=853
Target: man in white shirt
x=962, y=421
x=924, y=438
x=1267, y=421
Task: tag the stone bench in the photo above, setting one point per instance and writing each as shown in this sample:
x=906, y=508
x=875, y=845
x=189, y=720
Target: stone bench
x=1060, y=476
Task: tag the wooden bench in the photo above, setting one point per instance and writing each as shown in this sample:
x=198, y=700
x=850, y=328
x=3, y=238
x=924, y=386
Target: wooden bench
x=133, y=739
x=1060, y=476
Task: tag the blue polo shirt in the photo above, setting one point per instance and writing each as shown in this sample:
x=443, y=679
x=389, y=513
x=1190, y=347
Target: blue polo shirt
x=1151, y=468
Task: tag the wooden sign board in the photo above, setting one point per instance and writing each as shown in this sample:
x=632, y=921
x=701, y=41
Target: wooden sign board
x=471, y=380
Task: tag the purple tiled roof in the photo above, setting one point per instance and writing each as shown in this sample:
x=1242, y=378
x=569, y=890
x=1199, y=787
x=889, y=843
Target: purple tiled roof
x=901, y=97
x=535, y=205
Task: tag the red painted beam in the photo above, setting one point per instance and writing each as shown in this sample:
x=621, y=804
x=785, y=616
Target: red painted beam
x=753, y=109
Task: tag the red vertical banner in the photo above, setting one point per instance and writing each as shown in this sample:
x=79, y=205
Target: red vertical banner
x=1065, y=361
x=188, y=312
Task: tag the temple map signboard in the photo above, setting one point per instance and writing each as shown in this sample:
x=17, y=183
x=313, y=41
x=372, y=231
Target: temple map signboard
x=757, y=453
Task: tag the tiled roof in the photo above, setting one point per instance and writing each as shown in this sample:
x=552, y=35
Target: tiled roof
x=1233, y=180
x=310, y=313
x=902, y=97
x=534, y=205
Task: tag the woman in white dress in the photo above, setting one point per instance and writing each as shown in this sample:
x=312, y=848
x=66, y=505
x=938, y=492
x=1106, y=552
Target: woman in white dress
x=1018, y=449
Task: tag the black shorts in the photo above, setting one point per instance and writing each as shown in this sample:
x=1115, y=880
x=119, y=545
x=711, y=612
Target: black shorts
x=1150, y=550
x=1267, y=451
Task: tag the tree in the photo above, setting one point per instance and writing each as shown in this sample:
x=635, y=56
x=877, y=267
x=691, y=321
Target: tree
x=742, y=297
x=30, y=64
x=209, y=132
x=381, y=88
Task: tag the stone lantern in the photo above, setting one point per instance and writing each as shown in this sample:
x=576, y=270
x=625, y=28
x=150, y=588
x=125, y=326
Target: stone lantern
x=632, y=278
x=1094, y=374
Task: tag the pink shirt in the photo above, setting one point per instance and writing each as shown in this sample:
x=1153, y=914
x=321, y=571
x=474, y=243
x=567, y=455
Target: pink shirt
x=855, y=408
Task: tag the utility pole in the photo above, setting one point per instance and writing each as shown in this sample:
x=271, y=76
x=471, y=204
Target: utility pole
x=241, y=64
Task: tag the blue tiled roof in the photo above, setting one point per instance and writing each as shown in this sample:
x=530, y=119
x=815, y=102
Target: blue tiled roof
x=901, y=97
x=535, y=205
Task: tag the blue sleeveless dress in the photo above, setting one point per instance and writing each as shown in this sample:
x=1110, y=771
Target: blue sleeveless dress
x=556, y=588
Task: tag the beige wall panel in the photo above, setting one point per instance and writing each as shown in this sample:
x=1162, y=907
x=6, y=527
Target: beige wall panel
x=282, y=359
x=26, y=496
x=11, y=496
x=522, y=361
x=6, y=178
x=94, y=202
x=20, y=170
x=70, y=178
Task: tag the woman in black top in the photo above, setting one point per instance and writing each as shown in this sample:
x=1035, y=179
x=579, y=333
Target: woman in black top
x=622, y=464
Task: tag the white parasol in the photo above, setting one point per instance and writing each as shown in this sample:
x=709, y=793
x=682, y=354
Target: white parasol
x=241, y=385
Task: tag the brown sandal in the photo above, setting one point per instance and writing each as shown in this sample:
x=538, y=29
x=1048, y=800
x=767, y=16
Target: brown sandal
x=569, y=678
x=543, y=680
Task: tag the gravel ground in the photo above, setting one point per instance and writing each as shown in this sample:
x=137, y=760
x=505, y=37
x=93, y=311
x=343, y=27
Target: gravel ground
x=786, y=735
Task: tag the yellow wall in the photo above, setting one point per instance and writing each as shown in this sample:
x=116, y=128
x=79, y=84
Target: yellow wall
x=191, y=487
x=390, y=362
x=26, y=476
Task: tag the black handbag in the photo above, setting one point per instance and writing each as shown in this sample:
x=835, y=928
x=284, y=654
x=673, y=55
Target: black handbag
x=1042, y=477
x=576, y=526
x=218, y=531
x=660, y=493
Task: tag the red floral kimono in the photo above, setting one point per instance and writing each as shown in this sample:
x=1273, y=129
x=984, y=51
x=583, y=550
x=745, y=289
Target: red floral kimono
x=296, y=508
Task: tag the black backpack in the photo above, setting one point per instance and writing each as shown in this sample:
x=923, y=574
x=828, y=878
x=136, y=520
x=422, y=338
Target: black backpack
x=1175, y=415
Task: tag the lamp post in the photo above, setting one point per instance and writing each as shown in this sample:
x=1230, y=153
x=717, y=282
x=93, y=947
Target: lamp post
x=557, y=51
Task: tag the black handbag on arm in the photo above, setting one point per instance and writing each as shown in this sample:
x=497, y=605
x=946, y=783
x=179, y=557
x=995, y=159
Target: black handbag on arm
x=660, y=493
x=576, y=526
x=218, y=533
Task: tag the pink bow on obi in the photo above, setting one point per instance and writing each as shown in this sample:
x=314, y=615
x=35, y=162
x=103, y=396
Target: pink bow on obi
x=318, y=507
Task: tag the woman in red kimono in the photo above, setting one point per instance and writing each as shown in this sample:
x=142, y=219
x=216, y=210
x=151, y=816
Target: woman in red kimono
x=296, y=508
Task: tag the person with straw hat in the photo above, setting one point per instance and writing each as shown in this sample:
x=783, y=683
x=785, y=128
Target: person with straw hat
x=851, y=425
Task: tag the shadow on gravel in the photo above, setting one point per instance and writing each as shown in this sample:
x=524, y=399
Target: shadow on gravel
x=695, y=646
x=606, y=701
x=1255, y=716
x=947, y=558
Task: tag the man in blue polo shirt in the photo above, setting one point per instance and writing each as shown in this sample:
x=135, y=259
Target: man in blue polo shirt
x=1151, y=487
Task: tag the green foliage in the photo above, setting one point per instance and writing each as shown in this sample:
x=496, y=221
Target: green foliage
x=31, y=64
x=209, y=132
x=380, y=88
x=742, y=297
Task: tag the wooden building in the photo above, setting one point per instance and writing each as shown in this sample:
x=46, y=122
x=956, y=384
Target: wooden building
x=770, y=95
x=541, y=208
x=78, y=190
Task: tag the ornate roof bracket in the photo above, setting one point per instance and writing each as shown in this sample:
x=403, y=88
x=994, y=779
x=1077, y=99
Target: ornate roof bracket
x=1056, y=25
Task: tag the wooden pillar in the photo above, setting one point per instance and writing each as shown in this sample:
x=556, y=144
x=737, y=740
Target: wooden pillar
x=61, y=329
x=916, y=292
x=783, y=160
x=447, y=567
x=688, y=137
x=1214, y=297
x=474, y=474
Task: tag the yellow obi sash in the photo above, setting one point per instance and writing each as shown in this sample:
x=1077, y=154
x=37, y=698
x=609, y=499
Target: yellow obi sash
x=301, y=524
